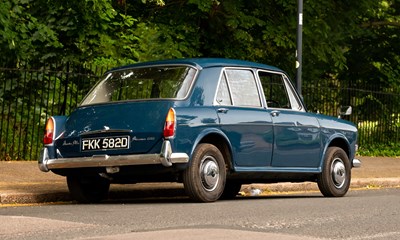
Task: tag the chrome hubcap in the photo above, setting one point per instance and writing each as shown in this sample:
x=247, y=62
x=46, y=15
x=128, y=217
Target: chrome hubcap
x=338, y=172
x=209, y=172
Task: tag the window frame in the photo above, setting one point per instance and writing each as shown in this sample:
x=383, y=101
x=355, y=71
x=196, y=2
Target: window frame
x=290, y=91
x=257, y=85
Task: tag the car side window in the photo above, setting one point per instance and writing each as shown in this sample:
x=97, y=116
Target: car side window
x=274, y=90
x=243, y=87
x=223, y=96
x=296, y=105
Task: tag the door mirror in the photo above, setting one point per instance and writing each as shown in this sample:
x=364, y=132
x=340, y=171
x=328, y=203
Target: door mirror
x=344, y=111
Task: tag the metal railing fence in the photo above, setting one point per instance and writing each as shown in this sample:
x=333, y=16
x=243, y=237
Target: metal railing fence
x=28, y=96
x=375, y=109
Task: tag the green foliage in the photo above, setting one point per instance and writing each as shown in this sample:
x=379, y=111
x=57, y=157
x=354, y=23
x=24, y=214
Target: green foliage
x=122, y=32
x=380, y=150
x=373, y=64
x=20, y=30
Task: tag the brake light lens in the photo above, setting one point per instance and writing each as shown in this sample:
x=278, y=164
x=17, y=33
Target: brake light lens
x=170, y=124
x=49, y=132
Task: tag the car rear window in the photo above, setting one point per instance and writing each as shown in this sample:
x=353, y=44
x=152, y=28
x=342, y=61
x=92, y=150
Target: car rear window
x=142, y=83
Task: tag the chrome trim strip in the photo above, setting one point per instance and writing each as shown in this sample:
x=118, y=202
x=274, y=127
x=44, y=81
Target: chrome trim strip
x=105, y=131
x=166, y=158
x=356, y=163
x=43, y=157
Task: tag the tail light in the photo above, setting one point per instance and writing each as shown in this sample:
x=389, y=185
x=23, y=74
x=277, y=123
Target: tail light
x=170, y=124
x=49, y=132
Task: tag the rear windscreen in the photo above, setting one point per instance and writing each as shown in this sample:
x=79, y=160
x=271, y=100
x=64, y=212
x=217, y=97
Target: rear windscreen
x=142, y=83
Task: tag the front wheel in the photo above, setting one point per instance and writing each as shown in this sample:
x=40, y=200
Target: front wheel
x=85, y=189
x=334, y=180
x=204, y=179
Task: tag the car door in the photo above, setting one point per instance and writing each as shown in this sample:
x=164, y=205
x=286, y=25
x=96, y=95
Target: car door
x=297, y=140
x=243, y=119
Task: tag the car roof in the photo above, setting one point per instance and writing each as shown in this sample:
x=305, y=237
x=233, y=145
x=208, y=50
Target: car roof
x=204, y=63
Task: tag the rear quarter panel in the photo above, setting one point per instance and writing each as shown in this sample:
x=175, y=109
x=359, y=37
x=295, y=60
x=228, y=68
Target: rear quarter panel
x=196, y=116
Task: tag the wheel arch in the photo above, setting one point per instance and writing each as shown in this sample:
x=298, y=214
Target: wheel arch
x=337, y=141
x=217, y=138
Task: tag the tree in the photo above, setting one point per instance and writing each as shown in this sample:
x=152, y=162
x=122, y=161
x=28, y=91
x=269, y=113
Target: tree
x=373, y=64
x=263, y=31
x=20, y=31
x=129, y=31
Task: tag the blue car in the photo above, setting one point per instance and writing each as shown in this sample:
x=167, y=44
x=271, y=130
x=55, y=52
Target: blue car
x=212, y=124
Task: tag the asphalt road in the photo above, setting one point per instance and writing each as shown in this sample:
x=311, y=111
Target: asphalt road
x=366, y=214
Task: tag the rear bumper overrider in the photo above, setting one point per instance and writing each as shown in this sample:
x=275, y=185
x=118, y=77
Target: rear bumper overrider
x=355, y=163
x=166, y=158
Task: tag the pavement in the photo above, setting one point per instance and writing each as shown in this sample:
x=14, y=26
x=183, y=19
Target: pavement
x=21, y=182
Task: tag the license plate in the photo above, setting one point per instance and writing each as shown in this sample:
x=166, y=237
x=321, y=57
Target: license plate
x=105, y=143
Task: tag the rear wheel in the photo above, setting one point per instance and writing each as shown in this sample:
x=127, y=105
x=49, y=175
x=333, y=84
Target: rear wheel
x=334, y=180
x=204, y=179
x=85, y=189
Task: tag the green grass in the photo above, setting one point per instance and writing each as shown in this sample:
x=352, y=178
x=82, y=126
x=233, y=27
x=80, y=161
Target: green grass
x=380, y=150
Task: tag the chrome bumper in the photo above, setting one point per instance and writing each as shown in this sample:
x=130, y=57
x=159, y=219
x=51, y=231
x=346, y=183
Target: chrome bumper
x=356, y=163
x=166, y=158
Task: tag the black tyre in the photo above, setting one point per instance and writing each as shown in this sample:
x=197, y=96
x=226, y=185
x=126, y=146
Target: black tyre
x=231, y=190
x=88, y=189
x=204, y=179
x=334, y=180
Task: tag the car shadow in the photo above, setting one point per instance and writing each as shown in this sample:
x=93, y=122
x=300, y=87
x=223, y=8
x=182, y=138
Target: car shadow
x=178, y=195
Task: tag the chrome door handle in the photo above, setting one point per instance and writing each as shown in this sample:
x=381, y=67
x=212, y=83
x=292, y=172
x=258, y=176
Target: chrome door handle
x=275, y=113
x=223, y=110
